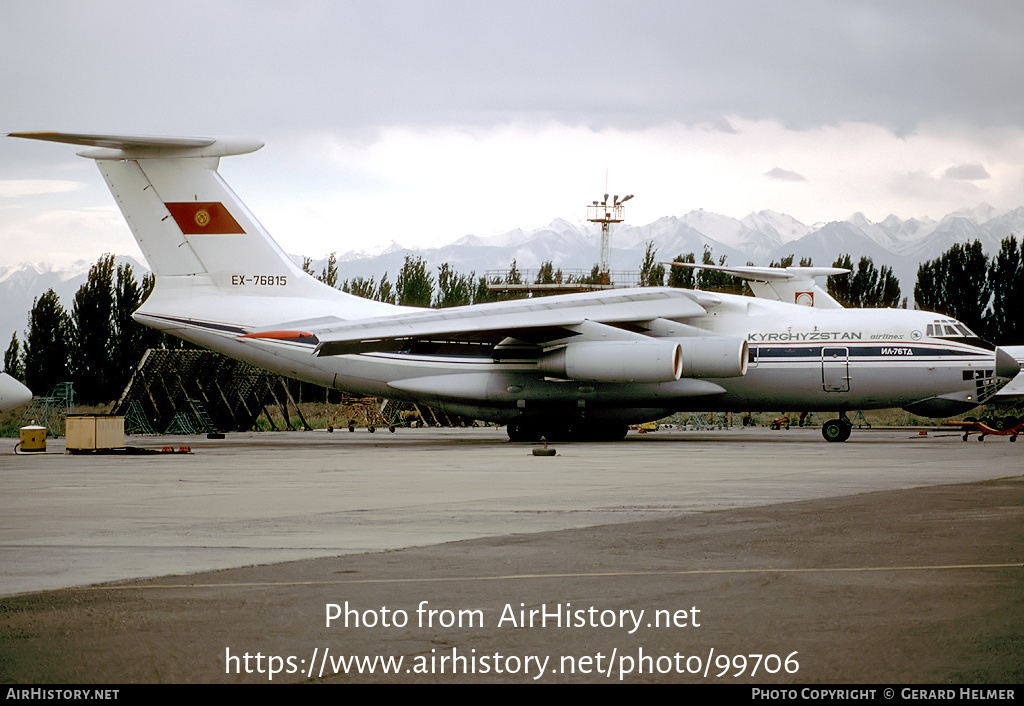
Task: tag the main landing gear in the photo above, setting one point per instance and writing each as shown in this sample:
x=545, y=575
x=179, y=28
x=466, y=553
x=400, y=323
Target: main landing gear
x=837, y=429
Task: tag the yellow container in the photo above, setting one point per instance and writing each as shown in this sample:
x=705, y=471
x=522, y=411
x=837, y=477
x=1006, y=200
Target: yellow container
x=92, y=432
x=33, y=438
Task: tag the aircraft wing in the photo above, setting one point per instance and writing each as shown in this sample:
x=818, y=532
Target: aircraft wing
x=534, y=320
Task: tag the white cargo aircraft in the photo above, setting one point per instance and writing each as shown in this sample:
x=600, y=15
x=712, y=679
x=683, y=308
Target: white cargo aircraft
x=573, y=366
x=13, y=395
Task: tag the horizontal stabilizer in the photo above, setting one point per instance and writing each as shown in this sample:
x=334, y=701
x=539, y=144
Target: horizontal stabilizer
x=143, y=147
x=794, y=285
x=765, y=274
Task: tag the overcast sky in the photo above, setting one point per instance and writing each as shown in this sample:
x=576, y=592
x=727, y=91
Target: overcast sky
x=421, y=121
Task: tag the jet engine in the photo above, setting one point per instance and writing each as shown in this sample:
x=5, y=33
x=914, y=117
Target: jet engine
x=615, y=361
x=714, y=357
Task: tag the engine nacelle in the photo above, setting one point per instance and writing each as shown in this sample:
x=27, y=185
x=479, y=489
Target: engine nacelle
x=616, y=361
x=714, y=357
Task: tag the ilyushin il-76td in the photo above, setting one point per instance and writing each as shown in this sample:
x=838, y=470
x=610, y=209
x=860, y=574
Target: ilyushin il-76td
x=578, y=366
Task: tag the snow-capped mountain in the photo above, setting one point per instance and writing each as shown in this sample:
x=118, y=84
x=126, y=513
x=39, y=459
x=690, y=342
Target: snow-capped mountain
x=759, y=238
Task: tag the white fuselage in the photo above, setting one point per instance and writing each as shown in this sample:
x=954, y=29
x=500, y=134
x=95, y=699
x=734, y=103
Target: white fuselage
x=800, y=358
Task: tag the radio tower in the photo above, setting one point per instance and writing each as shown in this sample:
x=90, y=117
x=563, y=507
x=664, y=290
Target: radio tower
x=604, y=213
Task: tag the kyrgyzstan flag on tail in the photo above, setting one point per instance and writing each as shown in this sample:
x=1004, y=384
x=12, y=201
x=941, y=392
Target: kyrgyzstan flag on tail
x=203, y=218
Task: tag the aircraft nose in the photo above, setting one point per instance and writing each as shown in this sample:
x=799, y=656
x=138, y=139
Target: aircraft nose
x=1006, y=365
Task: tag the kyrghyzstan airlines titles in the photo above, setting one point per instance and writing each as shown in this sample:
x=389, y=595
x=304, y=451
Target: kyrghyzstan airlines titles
x=764, y=337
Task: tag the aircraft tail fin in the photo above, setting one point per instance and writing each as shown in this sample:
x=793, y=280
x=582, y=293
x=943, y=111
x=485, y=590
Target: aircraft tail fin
x=185, y=218
x=195, y=233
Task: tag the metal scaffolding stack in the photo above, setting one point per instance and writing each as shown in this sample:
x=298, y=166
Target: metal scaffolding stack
x=51, y=410
x=175, y=391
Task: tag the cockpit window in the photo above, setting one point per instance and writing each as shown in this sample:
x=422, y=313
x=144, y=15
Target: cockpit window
x=948, y=328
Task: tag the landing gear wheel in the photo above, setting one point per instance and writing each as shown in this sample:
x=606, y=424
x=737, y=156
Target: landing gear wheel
x=836, y=430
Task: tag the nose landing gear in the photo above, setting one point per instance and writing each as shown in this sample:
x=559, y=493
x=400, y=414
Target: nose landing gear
x=837, y=429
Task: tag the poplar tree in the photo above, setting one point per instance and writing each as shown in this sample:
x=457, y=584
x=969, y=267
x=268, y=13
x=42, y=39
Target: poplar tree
x=548, y=275
x=329, y=275
x=866, y=287
x=92, y=332
x=386, y=291
x=13, y=363
x=46, y=344
x=131, y=339
x=361, y=287
x=683, y=277
x=956, y=284
x=652, y=273
x=415, y=286
x=1004, y=324
x=453, y=289
x=484, y=294
x=716, y=280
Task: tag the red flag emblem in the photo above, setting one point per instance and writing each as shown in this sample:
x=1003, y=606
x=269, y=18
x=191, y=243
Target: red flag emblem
x=203, y=218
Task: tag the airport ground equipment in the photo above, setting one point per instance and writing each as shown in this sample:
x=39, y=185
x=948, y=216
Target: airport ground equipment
x=1010, y=426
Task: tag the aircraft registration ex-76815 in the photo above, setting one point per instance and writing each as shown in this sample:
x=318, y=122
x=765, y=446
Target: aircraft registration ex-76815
x=580, y=365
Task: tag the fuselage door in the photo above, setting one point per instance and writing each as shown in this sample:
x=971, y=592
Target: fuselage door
x=835, y=369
